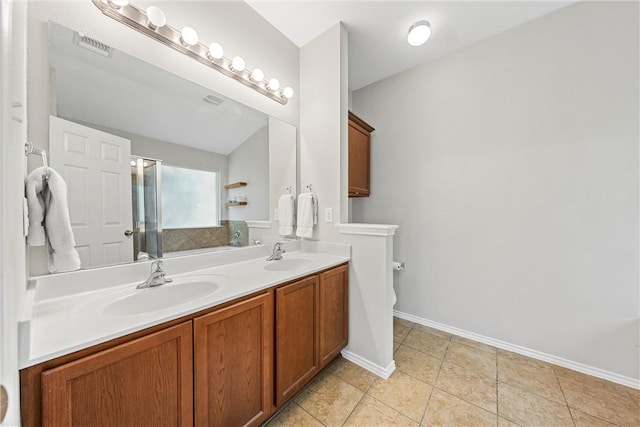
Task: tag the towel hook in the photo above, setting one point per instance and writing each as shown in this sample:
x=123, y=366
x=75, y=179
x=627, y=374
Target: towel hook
x=29, y=148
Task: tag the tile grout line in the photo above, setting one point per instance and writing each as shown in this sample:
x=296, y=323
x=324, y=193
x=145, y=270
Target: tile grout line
x=497, y=390
x=435, y=380
x=569, y=407
x=566, y=401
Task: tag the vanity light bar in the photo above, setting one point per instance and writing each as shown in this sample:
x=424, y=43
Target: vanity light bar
x=131, y=16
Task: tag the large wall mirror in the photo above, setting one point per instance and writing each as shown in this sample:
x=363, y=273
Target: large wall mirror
x=155, y=165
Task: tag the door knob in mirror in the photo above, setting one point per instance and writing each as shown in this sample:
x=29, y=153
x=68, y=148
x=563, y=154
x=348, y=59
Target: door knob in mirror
x=128, y=233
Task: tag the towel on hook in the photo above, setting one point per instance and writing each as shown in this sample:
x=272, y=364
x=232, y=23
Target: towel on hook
x=49, y=219
x=307, y=214
x=286, y=212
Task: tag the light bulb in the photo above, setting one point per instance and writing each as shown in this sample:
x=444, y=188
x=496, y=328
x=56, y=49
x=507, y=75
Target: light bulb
x=156, y=17
x=287, y=92
x=133, y=163
x=216, y=51
x=274, y=84
x=189, y=37
x=237, y=63
x=257, y=75
x=119, y=3
x=419, y=33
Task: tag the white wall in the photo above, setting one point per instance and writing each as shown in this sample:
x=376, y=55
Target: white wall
x=511, y=167
x=323, y=144
x=321, y=123
x=250, y=163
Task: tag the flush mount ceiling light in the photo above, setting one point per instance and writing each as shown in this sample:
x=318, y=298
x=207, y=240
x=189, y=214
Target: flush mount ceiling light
x=419, y=33
x=153, y=23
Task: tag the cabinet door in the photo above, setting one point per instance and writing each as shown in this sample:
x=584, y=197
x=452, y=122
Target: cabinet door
x=145, y=382
x=359, y=158
x=296, y=337
x=333, y=311
x=233, y=365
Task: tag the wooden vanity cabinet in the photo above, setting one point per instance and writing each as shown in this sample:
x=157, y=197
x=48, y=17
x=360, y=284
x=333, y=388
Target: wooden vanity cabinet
x=311, y=328
x=145, y=382
x=359, y=156
x=333, y=323
x=211, y=368
x=296, y=337
x=233, y=364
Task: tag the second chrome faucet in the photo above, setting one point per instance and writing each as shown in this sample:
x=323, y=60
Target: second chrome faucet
x=277, y=252
x=156, y=277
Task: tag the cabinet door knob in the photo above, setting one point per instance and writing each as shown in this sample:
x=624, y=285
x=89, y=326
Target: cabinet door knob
x=128, y=233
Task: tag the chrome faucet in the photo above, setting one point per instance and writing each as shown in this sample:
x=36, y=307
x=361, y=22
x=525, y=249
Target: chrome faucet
x=277, y=252
x=156, y=278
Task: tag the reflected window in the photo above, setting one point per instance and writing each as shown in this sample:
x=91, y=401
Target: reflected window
x=189, y=198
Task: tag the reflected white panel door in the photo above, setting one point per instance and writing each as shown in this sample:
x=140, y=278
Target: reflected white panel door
x=96, y=167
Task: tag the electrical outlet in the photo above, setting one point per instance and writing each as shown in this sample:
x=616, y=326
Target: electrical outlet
x=276, y=215
x=328, y=214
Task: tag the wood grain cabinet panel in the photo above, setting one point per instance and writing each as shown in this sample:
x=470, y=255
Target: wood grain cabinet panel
x=359, y=156
x=296, y=337
x=333, y=313
x=145, y=382
x=233, y=365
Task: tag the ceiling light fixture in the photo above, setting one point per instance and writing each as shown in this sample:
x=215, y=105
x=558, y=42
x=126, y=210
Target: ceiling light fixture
x=419, y=33
x=153, y=23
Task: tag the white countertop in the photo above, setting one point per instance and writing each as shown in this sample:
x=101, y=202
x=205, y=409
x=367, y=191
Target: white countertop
x=72, y=312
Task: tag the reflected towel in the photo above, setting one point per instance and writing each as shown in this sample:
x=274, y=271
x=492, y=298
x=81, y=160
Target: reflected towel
x=286, y=211
x=49, y=219
x=307, y=214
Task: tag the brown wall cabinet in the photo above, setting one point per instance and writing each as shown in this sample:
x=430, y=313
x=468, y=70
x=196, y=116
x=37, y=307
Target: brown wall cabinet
x=212, y=368
x=359, y=156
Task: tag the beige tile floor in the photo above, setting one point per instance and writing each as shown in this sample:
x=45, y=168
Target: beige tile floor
x=446, y=380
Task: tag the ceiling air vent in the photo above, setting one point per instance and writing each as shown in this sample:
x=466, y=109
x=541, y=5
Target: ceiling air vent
x=213, y=100
x=92, y=44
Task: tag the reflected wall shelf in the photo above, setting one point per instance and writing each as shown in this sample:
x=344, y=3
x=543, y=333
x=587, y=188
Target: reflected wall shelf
x=236, y=204
x=236, y=185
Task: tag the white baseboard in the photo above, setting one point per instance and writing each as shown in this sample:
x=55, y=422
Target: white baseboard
x=383, y=373
x=534, y=354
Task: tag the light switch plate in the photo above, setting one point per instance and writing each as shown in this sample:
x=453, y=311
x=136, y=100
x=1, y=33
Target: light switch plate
x=328, y=214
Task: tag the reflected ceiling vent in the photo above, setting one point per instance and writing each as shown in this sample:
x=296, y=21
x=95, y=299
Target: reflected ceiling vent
x=213, y=100
x=92, y=44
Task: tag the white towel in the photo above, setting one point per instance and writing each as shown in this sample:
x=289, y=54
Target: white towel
x=286, y=213
x=49, y=217
x=307, y=214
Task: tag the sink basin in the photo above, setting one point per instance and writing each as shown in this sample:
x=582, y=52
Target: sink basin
x=181, y=291
x=288, y=264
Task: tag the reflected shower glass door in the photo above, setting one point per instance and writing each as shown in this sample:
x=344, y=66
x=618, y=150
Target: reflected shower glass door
x=145, y=182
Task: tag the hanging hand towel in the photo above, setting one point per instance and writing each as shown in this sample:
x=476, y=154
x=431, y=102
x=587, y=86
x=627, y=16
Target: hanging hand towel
x=48, y=202
x=286, y=213
x=307, y=214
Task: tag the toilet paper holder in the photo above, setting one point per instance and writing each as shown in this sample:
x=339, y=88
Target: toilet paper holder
x=398, y=266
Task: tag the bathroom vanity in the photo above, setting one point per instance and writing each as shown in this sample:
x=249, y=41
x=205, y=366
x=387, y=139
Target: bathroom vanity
x=230, y=359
